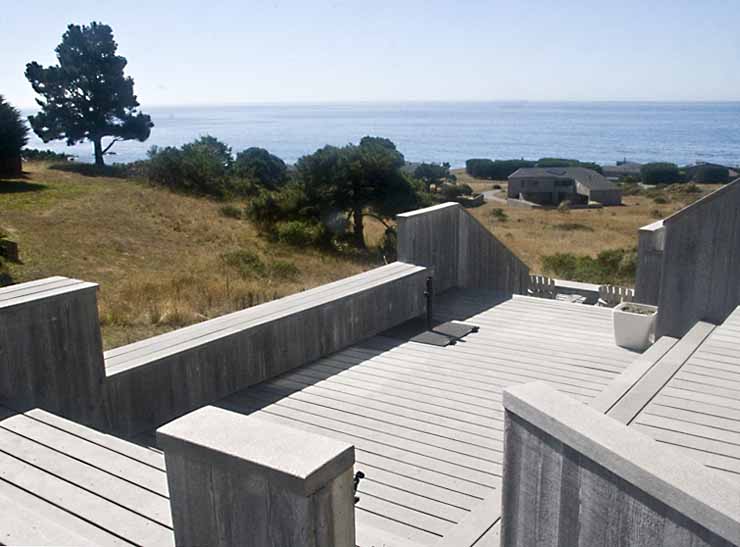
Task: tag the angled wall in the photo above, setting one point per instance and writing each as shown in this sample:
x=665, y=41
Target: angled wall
x=700, y=272
x=461, y=251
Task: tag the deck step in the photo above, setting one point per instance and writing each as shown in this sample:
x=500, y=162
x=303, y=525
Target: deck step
x=651, y=378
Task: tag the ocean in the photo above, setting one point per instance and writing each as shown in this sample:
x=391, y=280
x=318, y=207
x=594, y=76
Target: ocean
x=603, y=132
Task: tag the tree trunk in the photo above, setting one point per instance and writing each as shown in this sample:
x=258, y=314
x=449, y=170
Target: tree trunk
x=97, y=141
x=359, y=228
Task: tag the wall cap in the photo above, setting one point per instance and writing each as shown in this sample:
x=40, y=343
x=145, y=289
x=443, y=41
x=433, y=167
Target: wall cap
x=681, y=483
x=300, y=461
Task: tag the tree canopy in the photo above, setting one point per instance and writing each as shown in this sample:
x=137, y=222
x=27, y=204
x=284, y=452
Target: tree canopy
x=258, y=165
x=87, y=95
x=13, y=137
x=432, y=173
x=364, y=179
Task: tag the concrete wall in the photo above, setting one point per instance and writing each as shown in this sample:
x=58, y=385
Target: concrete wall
x=238, y=480
x=50, y=348
x=651, y=242
x=700, y=272
x=460, y=250
x=573, y=476
x=198, y=366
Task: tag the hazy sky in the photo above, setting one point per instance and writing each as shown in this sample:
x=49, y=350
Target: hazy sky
x=229, y=51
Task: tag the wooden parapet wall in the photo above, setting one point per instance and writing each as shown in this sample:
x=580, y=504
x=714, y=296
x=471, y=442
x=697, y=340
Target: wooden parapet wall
x=573, y=476
x=50, y=348
x=151, y=382
x=461, y=251
x=689, y=263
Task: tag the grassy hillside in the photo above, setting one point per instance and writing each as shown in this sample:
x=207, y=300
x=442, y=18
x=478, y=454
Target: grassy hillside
x=162, y=260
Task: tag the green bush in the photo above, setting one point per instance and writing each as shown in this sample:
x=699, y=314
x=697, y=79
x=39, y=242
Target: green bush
x=564, y=162
x=231, y=211
x=282, y=269
x=245, y=262
x=660, y=173
x=258, y=165
x=200, y=167
x=13, y=137
x=33, y=154
x=116, y=170
x=661, y=200
x=711, y=174
x=300, y=233
x=572, y=227
x=616, y=266
x=500, y=215
x=494, y=170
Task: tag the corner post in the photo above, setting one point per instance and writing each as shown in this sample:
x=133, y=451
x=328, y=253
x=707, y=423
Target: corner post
x=241, y=480
x=51, y=353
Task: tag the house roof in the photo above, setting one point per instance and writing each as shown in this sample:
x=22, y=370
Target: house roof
x=587, y=177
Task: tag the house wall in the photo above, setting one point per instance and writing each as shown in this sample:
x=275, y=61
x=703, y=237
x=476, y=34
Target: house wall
x=606, y=197
x=541, y=190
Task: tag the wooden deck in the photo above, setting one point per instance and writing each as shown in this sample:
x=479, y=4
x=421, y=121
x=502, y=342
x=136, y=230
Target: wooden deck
x=64, y=484
x=697, y=411
x=427, y=421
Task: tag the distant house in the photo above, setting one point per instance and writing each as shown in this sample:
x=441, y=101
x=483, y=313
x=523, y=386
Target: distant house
x=552, y=185
x=622, y=169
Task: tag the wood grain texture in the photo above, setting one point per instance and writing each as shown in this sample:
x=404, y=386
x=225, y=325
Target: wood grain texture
x=186, y=374
x=700, y=275
x=52, y=350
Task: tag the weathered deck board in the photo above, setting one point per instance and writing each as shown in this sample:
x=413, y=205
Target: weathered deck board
x=68, y=488
x=698, y=410
x=427, y=422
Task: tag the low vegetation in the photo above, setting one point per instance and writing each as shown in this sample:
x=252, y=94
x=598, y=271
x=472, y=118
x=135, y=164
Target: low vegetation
x=162, y=259
x=613, y=266
x=534, y=234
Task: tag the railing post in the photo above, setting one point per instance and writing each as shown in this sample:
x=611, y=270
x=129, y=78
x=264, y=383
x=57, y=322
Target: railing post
x=241, y=480
x=651, y=243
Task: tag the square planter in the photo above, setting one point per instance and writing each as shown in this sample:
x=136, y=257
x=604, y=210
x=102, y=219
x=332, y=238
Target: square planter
x=634, y=325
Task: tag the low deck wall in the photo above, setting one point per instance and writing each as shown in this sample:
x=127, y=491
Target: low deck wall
x=52, y=353
x=153, y=381
x=573, y=476
x=462, y=252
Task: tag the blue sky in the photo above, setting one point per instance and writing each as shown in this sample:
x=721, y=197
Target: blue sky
x=229, y=51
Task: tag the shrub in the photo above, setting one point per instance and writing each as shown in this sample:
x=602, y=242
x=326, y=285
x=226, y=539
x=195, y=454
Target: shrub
x=258, y=165
x=711, y=174
x=616, y=266
x=13, y=137
x=630, y=189
x=389, y=245
x=282, y=269
x=116, y=170
x=494, y=170
x=245, y=262
x=657, y=214
x=661, y=200
x=300, y=233
x=231, y=211
x=660, y=173
x=33, y=154
x=500, y=215
x=450, y=192
x=572, y=227
x=199, y=167
x=564, y=162
x=497, y=187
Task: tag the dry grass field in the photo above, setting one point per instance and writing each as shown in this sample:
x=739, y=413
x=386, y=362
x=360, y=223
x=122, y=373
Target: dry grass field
x=534, y=233
x=162, y=260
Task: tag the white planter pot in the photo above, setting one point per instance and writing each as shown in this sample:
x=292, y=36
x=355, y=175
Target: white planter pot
x=634, y=330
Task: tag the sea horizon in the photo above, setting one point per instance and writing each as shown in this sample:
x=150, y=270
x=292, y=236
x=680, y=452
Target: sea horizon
x=607, y=131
